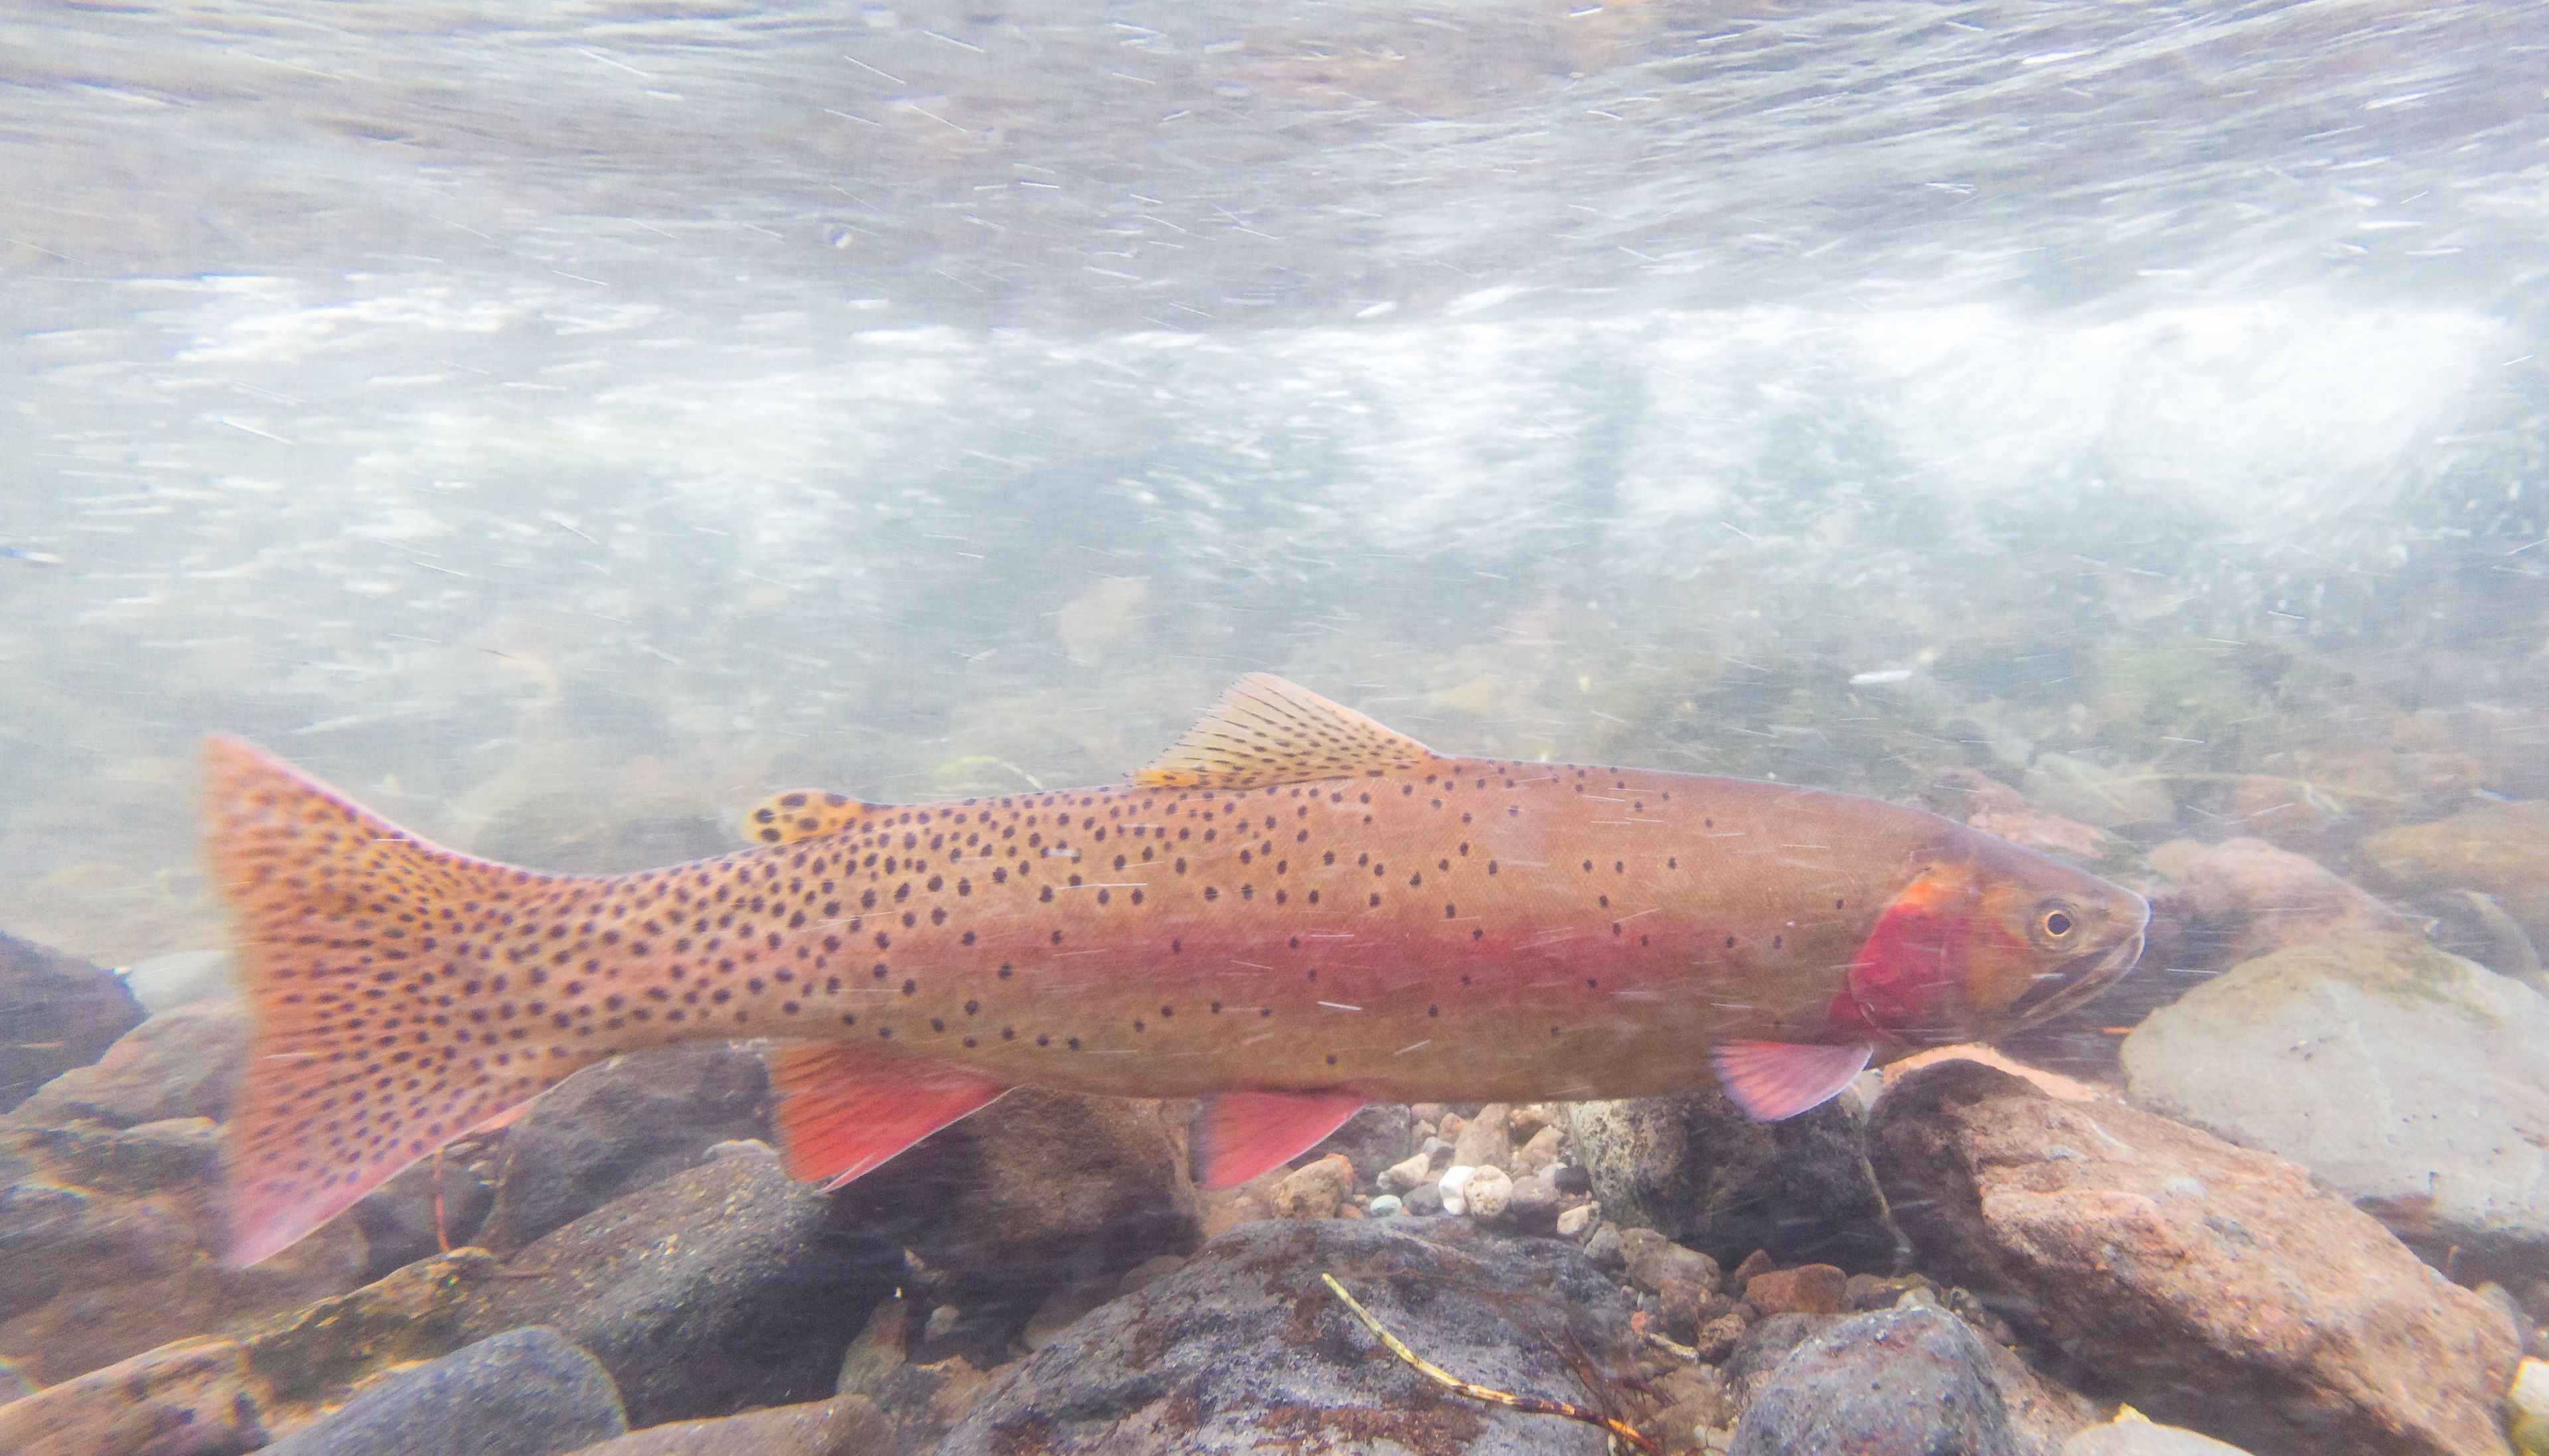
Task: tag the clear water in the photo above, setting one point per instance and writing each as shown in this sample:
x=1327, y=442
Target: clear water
x=564, y=424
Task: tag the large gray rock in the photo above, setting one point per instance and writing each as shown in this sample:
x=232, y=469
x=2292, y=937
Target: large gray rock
x=2410, y=1080
x=1896, y=1383
x=1245, y=1350
x=1699, y=1171
x=615, y=1128
x=183, y=1063
x=2206, y=1283
x=722, y=1287
x=60, y=1011
x=524, y=1392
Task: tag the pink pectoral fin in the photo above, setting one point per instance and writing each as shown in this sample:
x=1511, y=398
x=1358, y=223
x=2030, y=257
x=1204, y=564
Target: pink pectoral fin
x=1772, y=1080
x=1238, y=1136
x=841, y=1112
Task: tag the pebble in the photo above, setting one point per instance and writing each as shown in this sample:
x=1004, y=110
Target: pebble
x=1386, y=1206
x=1571, y=1222
x=1755, y=1262
x=1401, y=1176
x=1538, y=1154
x=1606, y=1249
x=1488, y=1193
x=524, y=1392
x=1571, y=1179
x=1486, y=1142
x=2527, y=1409
x=1652, y=1260
x=1315, y=1190
x=2262, y=1308
x=1372, y=1138
x=1533, y=1207
x=1808, y=1289
x=1424, y=1200
x=1453, y=1188
x=1716, y=1338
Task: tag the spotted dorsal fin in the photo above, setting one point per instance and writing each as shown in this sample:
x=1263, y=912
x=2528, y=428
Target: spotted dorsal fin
x=1265, y=731
x=801, y=813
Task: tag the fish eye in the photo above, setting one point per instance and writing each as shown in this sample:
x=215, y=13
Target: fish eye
x=2057, y=924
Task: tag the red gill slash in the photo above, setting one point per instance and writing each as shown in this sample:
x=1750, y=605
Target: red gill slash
x=1292, y=912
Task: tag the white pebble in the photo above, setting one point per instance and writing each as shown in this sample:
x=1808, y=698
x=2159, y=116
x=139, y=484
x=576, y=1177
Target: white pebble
x=1455, y=1182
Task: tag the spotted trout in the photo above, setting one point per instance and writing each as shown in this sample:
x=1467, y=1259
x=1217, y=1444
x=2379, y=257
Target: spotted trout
x=1292, y=912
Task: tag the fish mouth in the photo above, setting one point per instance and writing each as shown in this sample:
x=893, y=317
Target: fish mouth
x=2078, y=982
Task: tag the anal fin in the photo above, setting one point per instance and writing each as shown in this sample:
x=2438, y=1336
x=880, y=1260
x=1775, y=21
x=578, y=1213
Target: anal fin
x=841, y=1112
x=1239, y=1136
x=1774, y=1081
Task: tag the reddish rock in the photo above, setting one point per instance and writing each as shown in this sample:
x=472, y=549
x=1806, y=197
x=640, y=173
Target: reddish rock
x=1808, y=1289
x=2212, y=1286
x=1754, y=1263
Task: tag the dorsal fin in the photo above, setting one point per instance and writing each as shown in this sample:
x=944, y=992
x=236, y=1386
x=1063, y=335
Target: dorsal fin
x=1265, y=731
x=801, y=813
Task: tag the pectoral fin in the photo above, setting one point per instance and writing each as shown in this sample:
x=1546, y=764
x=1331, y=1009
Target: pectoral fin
x=1772, y=1080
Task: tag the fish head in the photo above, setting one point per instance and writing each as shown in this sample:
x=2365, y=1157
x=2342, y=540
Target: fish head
x=1986, y=938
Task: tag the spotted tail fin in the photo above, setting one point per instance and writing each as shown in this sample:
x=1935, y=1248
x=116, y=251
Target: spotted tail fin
x=396, y=988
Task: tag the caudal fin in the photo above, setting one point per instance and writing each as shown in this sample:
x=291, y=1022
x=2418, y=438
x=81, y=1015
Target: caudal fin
x=397, y=989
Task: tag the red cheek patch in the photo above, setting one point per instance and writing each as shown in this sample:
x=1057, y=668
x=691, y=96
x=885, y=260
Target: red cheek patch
x=1907, y=976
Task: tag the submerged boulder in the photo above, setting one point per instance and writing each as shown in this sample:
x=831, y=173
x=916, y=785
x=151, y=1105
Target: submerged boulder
x=1700, y=1172
x=2407, y=1079
x=2501, y=849
x=1907, y=1380
x=2204, y=1282
x=524, y=1392
x=1244, y=1349
x=62, y=1013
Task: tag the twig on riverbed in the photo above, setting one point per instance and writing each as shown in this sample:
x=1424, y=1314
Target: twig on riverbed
x=1533, y=1405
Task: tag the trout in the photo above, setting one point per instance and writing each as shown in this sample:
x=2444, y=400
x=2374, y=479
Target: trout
x=1292, y=912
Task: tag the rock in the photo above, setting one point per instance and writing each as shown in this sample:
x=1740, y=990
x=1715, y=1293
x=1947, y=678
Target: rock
x=2133, y=1434
x=183, y=1063
x=1606, y=1249
x=1570, y=1180
x=1652, y=1260
x=1532, y=1206
x=1808, y=1289
x=1410, y=1171
x=2212, y=1285
x=2363, y=1059
x=1756, y=1262
x=1865, y=1292
x=1489, y=1194
x=62, y=1013
x=1314, y=1191
x=1764, y=1343
x=1907, y=1380
x=1571, y=1222
x=398, y=1218
x=721, y=1287
x=1702, y=1173
x=1716, y=1338
x=1149, y=1272
x=1386, y=1206
x=2501, y=849
x=617, y=1127
x=1539, y=1154
x=180, y=1400
x=1245, y=1350
x=1376, y=1136
x=235, y=1393
x=845, y=1426
x=524, y=1392
x=2527, y=1409
x=920, y=1400
x=2244, y=899
x=1453, y=1188
x=1437, y=1154
x=1037, y=1191
x=1424, y=1201
x=1486, y=1142
x=182, y=979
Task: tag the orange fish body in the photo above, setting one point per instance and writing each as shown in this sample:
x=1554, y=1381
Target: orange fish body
x=1293, y=912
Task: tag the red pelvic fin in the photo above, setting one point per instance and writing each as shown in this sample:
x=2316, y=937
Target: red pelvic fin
x=1772, y=1080
x=841, y=1112
x=1238, y=1136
